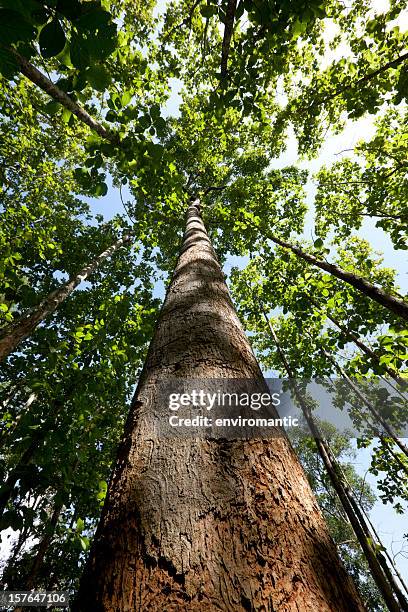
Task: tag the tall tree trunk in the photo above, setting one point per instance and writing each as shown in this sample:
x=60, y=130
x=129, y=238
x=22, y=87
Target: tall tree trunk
x=35, y=76
x=202, y=525
x=13, y=334
x=396, y=304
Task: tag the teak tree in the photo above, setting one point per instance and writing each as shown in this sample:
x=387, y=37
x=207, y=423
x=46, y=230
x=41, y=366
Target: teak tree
x=204, y=524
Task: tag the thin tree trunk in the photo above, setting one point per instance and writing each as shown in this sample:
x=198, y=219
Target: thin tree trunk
x=193, y=524
x=395, y=304
x=48, y=534
x=41, y=552
x=384, y=580
x=226, y=41
x=23, y=536
x=388, y=428
x=352, y=336
x=13, y=334
x=363, y=347
x=43, y=547
x=39, y=435
x=386, y=553
x=35, y=76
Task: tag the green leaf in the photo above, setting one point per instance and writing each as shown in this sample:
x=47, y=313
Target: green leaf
x=66, y=115
x=52, y=107
x=144, y=122
x=84, y=543
x=80, y=57
x=208, y=10
x=156, y=151
x=69, y=8
x=126, y=98
x=154, y=111
x=8, y=64
x=98, y=77
x=111, y=116
x=101, y=44
x=318, y=243
x=52, y=39
x=101, y=189
x=93, y=20
x=14, y=28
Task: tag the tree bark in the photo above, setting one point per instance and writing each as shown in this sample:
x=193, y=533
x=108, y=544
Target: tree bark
x=35, y=76
x=13, y=334
x=205, y=525
x=395, y=304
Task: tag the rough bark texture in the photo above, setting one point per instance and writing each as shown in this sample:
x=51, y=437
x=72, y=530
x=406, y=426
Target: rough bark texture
x=203, y=525
x=397, y=305
x=13, y=334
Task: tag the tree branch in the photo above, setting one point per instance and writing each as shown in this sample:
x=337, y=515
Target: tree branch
x=371, y=75
x=214, y=188
x=35, y=76
x=228, y=29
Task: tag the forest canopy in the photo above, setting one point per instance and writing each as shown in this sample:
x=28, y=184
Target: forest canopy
x=119, y=120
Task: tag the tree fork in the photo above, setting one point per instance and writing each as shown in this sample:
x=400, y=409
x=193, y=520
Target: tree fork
x=13, y=334
x=395, y=304
x=199, y=524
